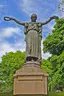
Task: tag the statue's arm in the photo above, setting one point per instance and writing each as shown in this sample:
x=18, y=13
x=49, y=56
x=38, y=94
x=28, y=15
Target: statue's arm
x=10, y=18
x=51, y=18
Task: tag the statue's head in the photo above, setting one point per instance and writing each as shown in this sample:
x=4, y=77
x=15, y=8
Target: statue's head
x=33, y=17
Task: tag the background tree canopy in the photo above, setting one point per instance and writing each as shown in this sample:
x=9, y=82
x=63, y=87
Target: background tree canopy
x=10, y=63
x=54, y=44
x=61, y=6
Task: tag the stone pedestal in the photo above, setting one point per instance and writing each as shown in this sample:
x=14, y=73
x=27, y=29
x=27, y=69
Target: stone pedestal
x=30, y=80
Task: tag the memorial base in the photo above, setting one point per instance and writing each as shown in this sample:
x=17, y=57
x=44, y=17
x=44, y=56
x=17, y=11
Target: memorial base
x=30, y=80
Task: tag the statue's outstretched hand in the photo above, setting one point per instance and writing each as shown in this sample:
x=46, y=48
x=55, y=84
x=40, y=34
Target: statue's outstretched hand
x=51, y=18
x=54, y=17
x=8, y=18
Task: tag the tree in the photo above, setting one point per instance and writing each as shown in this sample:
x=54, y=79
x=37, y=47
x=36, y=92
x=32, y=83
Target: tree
x=47, y=66
x=10, y=63
x=61, y=6
x=58, y=71
x=54, y=44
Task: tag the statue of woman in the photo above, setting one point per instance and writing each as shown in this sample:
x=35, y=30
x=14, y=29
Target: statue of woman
x=33, y=36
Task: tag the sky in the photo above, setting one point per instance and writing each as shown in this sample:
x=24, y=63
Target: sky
x=11, y=34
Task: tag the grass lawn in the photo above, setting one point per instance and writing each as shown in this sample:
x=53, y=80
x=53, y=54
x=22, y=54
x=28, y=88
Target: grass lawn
x=56, y=94
x=50, y=94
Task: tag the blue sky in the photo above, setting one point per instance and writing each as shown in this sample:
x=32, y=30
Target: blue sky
x=12, y=34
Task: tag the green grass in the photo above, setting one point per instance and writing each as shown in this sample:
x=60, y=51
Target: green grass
x=50, y=94
x=56, y=94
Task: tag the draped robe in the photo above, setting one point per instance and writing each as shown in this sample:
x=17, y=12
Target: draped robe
x=33, y=36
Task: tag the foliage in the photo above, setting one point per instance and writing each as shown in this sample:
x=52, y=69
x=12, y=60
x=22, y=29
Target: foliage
x=10, y=63
x=54, y=44
x=58, y=70
x=61, y=6
x=46, y=65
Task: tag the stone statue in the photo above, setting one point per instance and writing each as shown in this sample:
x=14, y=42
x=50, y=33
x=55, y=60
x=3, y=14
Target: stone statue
x=33, y=36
